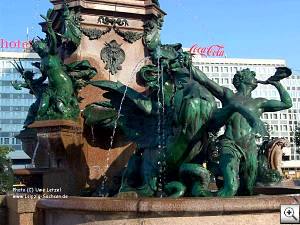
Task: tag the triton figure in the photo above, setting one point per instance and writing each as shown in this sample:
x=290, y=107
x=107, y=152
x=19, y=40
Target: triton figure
x=238, y=154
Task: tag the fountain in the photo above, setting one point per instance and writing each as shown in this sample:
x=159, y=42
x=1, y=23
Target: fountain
x=124, y=117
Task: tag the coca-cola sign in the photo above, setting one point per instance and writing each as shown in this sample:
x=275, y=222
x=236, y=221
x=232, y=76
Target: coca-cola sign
x=210, y=51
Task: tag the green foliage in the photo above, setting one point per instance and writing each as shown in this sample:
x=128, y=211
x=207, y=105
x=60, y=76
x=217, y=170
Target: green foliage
x=6, y=173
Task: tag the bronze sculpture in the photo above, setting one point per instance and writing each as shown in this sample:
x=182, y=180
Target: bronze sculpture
x=58, y=99
x=172, y=121
x=185, y=95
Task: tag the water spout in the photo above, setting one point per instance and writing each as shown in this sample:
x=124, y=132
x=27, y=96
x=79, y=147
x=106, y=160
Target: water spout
x=112, y=137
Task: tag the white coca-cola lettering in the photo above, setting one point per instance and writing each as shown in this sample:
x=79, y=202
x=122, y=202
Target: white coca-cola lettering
x=213, y=50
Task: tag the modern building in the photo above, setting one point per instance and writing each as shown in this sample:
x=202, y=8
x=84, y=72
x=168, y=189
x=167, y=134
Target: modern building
x=14, y=104
x=283, y=123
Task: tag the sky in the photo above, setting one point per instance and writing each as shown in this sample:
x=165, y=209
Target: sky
x=267, y=29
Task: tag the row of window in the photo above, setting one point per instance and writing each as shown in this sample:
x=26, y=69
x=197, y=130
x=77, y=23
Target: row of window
x=293, y=157
x=8, y=134
x=14, y=108
x=233, y=69
x=8, y=70
x=13, y=70
x=5, y=83
x=262, y=69
x=26, y=63
x=16, y=96
x=280, y=128
x=11, y=121
x=293, y=88
x=281, y=116
x=16, y=76
x=222, y=80
x=9, y=141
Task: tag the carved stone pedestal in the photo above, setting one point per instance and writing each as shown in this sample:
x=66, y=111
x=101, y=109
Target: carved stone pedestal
x=62, y=140
x=77, y=156
x=112, y=39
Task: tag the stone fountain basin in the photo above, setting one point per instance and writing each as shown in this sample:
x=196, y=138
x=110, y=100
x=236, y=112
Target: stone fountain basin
x=112, y=211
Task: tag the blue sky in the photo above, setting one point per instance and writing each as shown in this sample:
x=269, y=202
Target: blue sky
x=248, y=28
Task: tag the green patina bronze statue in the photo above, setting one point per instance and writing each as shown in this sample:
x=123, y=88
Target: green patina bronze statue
x=36, y=87
x=238, y=149
x=171, y=124
x=173, y=112
x=58, y=99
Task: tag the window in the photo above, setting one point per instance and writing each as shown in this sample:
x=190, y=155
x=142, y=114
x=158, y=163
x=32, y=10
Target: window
x=5, y=108
x=4, y=95
x=6, y=141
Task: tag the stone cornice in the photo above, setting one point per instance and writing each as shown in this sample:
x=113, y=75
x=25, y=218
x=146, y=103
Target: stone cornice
x=140, y=7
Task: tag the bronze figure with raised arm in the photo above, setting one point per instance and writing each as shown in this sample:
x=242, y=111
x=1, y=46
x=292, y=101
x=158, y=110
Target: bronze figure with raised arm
x=240, y=113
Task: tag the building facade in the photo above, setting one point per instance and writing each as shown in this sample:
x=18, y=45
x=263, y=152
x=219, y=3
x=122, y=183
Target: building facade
x=281, y=124
x=14, y=104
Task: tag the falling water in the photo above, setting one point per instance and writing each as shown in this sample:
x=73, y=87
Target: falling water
x=163, y=135
x=40, y=137
x=112, y=137
x=159, y=184
x=161, y=126
x=93, y=134
x=34, y=152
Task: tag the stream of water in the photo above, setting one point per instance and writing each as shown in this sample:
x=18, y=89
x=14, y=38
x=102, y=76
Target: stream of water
x=102, y=192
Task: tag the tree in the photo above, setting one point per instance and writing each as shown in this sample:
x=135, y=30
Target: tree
x=6, y=173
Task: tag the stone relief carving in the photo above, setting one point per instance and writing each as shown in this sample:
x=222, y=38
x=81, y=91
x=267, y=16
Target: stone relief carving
x=128, y=36
x=112, y=21
x=94, y=33
x=113, y=56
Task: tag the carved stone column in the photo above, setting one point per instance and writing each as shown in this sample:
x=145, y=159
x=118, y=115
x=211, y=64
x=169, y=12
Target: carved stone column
x=112, y=39
x=112, y=42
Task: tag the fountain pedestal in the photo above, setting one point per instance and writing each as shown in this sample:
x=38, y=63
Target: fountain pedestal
x=62, y=140
x=117, y=25
x=78, y=156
